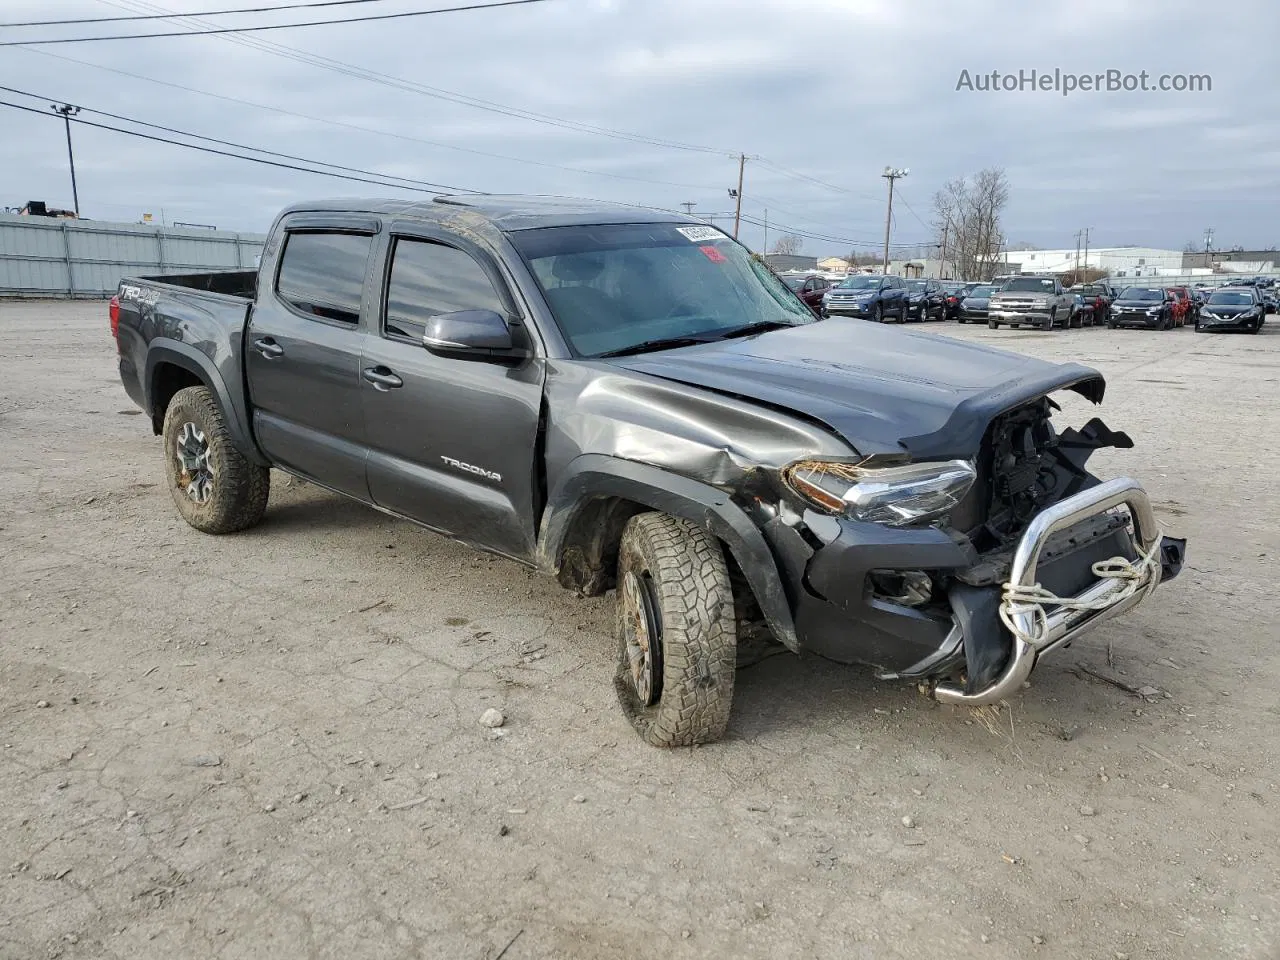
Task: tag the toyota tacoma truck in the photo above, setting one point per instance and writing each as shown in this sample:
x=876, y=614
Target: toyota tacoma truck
x=626, y=400
x=1035, y=301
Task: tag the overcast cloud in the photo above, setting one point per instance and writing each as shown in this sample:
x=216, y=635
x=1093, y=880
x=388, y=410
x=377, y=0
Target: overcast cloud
x=832, y=89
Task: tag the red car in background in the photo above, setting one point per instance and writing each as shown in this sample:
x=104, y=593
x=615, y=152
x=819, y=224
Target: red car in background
x=1185, y=307
x=1099, y=297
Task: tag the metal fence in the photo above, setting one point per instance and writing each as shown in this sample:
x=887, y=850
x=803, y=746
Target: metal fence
x=42, y=257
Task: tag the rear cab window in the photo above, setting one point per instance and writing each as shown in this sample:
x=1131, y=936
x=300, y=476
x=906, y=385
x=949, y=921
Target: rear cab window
x=322, y=273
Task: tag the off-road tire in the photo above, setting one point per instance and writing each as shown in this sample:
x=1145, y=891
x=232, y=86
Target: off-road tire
x=240, y=488
x=686, y=571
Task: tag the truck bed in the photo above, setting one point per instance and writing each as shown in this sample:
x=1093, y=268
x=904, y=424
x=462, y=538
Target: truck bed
x=230, y=283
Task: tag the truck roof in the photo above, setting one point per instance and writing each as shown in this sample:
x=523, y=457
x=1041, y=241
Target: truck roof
x=505, y=212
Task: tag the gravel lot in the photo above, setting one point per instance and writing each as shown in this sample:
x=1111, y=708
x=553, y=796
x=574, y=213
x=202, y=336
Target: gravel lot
x=266, y=745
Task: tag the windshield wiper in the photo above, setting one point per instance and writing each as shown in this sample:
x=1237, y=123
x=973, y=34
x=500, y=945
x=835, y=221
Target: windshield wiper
x=662, y=343
x=760, y=326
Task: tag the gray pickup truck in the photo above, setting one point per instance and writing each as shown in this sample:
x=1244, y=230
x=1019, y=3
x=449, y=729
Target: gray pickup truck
x=1035, y=301
x=628, y=399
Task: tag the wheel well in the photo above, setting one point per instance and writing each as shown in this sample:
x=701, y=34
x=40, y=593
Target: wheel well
x=166, y=380
x=589, y=553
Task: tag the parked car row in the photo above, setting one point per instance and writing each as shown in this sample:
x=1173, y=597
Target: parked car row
x=1039, y=302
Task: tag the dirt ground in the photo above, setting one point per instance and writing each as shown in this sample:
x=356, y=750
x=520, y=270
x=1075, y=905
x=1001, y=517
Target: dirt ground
x=266, y=745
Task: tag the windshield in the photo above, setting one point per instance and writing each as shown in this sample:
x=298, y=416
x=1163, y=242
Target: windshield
x=916, y=286
x=863, y=282
x=1230, y=299
x=1029, y=285
x=795, y=283
x=983, y=291
x=1091, y=291
x=1144, y=293
x=613, y=287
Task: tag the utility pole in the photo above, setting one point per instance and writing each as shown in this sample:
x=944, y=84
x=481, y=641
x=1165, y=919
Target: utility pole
x=766, y=230
x=737, y=195
x=891, y=174
x=1086, y=249
x=68, y=111
x=1208, y=244
x=942, y=255
x=688, y=206
x=1079, y=234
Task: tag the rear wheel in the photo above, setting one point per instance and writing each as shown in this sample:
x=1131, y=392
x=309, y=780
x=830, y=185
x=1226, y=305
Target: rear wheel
x=677, y=636
x=215, y=487
x=992, y=325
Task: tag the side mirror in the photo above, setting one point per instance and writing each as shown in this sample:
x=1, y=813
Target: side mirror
x=470, y=335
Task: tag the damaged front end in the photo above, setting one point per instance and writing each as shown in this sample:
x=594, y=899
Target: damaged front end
x=912, y=578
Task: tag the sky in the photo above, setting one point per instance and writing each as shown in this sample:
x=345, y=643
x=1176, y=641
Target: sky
x=820, y=95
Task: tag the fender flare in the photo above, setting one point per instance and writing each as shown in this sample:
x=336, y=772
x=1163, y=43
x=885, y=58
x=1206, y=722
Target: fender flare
x=165, y=350
x=597, y=476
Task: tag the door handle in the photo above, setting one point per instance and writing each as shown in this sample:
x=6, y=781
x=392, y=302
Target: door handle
x=269, y=348
x=382, y=378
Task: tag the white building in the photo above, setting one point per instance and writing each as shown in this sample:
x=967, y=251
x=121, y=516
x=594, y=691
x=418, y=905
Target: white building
x=1114, y=261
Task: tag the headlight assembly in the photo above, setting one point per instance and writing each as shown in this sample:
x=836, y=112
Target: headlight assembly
x=895, y=496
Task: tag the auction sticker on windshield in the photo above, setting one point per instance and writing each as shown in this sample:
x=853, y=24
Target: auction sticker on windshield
x=701, y=234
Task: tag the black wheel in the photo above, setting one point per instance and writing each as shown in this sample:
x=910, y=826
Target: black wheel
x=1077, y=321
x=878, y=314
x=216, y=489
x=1053, y=320
x=1255, y=328
x=677, y=635
x=992, y=325
x=1199, y=327
x=1110, y=325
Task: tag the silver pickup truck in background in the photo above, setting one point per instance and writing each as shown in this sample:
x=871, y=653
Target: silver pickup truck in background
x=1036, y=301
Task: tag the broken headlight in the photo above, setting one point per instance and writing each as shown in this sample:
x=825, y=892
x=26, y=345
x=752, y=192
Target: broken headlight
x=895, y=496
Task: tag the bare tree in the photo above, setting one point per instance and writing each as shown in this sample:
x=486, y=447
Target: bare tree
x=968, y=212
x=788, y=244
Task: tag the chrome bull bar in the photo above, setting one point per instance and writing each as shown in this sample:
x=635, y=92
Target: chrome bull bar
x=1065, y=624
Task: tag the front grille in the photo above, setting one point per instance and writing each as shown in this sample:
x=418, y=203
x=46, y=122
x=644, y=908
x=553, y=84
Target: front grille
x=1017, y=476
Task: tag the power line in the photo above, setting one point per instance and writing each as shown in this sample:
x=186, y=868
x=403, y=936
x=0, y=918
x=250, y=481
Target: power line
x=278, y=26
x=383, y=133
x=825, y=238
x=225, y=143
x=451, y=96
x=797, y=175
x=430, y=188
x=203, y=13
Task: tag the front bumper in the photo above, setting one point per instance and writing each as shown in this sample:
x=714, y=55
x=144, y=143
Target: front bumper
x=1110, y=596
x=848, y=308
x=1143, y=320
x=1017, y=316
x=1229, y=323
x=840, y=616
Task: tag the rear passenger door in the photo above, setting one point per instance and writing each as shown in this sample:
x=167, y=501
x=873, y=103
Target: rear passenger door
x=302, y=351
x=452, y=442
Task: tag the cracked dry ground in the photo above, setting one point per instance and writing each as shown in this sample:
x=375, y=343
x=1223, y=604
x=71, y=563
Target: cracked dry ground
x=333, y=664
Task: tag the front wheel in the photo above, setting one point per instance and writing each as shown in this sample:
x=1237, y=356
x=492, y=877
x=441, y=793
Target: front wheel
x=877, y=314
x=216, y=488
x=992, y=325
x=677, y=633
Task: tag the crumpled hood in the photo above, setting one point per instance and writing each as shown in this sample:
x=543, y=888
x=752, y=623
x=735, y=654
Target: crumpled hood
x=882, y=389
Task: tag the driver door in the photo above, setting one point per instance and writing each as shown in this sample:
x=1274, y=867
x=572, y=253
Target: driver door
x=451, y=442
